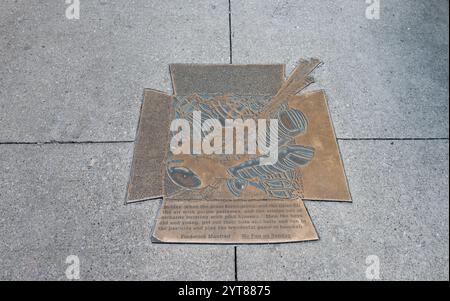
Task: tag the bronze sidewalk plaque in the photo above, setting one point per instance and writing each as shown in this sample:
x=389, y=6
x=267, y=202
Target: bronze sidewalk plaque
x=213, y=193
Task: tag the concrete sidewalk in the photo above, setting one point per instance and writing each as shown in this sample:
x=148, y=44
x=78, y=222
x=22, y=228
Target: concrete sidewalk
x=70, y=92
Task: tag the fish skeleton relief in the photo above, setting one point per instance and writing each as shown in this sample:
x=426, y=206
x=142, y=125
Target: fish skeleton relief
x=235, y=174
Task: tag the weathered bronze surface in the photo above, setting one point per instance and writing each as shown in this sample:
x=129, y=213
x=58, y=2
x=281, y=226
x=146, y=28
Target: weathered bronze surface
x=150, y=147
x=268, y=197
x=233, y=221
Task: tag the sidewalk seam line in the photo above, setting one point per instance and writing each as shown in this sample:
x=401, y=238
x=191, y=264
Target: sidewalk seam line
x=63, y=142
x=132, y=141
x=392, y=139
x=235, y=264
x=230, y=32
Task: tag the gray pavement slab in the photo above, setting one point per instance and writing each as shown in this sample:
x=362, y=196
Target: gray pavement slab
x=384, y=78
x=61, y=200
x=400, y=213
x=78, y=80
